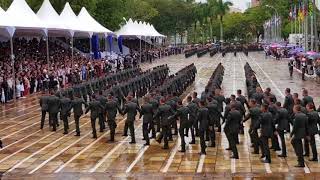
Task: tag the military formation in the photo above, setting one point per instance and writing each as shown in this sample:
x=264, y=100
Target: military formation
x=164, y=114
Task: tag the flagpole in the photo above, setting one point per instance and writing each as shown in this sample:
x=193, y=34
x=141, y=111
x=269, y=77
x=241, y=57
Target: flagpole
x=315, y=25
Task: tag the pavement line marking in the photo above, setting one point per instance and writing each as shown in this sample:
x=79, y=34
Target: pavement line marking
x=57, y=154
x=7, y=146
x=107, y=156
x=3, y=122
x=173, y=153
x=20, y=130
x=201, y=162
x=29, y=107
x=272, y=82
x=142, y=151
x=306, y=169
x=234, y=77
x=233, y=166
x=83, y=150
x=45, y=147
x=267, y=167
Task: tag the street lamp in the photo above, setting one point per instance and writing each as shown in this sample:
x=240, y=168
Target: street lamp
x=277, y=26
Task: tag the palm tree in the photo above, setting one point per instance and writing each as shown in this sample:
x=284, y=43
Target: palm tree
x=212, y=8
x=222, y=9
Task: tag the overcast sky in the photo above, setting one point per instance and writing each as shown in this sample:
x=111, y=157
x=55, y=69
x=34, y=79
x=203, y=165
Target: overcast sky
x=242, y=4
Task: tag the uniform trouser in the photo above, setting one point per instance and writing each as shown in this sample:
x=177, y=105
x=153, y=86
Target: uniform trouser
x=43, y=117
x=131, y=128
x=158, y=124
x=165, y=135
x=312, y=143
x=232, y=143
x=192, y=128
x=112, y=126
x=275, y=141
x=125, y=129
x=291, y=71
x=101, y=122
x=77, y=122
x=93, y=126
x=65, y=123
x=196, y=127
x=181, y=132
x=283, y=142
x=255, y=140
x=145, y=130
x=175, y=126
x=218, y=124
x=53, y=118
x=265, y=147
x=202, y=141
x=212, y=135
x=298, y=149
x=152, y=129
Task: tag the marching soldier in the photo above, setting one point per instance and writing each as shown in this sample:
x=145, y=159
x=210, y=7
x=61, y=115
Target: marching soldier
x=164, y=112
x=131, y=108
x=306, y=98
x=214, y=116
x=112, y=107
x=290, y=65
x=53, y=109
x=147, y=113
x=282, y=122
x=44, y=109
x=220, y=99
x=254, y=115
x=182, y=113
x=77, y=103
x=298, y=133
x=102, y=115
x=65, y=108
x=266, y=124
x=95, y=107
x=312, y=130
x=193, y=122
x=232, y=129
x=203, y=119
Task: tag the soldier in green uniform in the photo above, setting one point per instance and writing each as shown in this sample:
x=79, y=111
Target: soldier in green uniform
x=299, y=132
x=232, y=129
x=65, y=112
x=95, y=107
x=254, y=115
x=131, y=110
x=44, y=109
x=164, y=112
x=77, y=103
x=282, y=122
x=147, y=113
x=193, y=121
x=203, y=119
x=265, y=123
x=312, y=130
x=182, y=114
x=53, y=109
x=112, y=108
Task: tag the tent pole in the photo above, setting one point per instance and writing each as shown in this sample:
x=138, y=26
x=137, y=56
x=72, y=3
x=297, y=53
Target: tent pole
x=47, y=44
x=140, y=50
x=13, y=70
x=72, y=51
x=90, y=39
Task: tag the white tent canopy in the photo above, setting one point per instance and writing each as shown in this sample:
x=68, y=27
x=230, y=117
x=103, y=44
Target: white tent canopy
x=71, y=20
x=87, y=20
x=139, y=29
x=20, y=16
x=51, y=19
x=1, y=11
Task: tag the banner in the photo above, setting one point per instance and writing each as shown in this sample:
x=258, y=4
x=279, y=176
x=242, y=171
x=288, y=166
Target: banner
x=120, y=44
x=109, y=37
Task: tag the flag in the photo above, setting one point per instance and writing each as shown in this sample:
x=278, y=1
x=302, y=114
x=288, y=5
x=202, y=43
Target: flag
x=306, y=8
x=301, y=11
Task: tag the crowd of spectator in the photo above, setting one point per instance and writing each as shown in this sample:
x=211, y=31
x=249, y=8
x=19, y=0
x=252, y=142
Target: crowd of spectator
x=33, y=73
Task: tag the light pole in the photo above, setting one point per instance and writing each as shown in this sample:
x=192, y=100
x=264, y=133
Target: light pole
x=277, y=24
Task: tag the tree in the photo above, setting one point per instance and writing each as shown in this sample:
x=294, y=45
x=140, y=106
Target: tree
x=222, y=9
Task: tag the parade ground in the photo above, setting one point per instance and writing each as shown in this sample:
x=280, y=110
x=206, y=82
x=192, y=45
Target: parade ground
x=32, y=153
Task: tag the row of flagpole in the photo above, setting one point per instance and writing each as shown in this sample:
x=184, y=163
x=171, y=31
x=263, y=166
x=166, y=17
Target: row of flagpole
x=303, y=24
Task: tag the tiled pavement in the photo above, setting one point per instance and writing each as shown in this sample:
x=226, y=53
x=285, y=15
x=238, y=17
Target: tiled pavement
x=30, y=153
